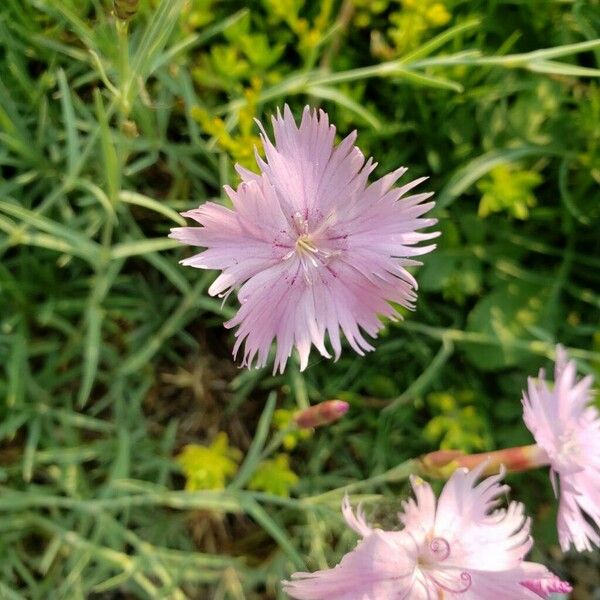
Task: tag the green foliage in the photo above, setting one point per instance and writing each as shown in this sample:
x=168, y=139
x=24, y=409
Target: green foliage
x=458, y=424
x=505, y=316
x=412, y=22
x=113, y=358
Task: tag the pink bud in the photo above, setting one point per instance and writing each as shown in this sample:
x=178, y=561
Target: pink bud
x=321, y=414
x=443, y=463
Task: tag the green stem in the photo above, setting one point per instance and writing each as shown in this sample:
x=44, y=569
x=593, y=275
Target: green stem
x=396, y=474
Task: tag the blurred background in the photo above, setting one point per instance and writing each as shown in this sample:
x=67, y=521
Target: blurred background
x=136, y=459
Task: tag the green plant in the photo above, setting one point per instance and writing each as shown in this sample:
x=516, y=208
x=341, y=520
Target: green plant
x=113, y=358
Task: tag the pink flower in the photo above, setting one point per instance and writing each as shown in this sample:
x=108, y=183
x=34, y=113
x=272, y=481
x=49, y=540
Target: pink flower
x=460, y=546
x=310, y=246
x=567, y=428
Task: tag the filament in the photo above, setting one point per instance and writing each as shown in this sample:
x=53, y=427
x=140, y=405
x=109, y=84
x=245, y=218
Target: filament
x=440, y=548
x=465, y=580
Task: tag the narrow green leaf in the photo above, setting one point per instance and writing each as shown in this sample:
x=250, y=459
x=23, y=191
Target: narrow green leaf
x=558, y=51
x=9, y=593
x=197, y=39
x=560, y=68
x=439, y=40
x=260, y=436
x=430, y=81
x=91, y=354
x=171, y=271
x=47, y=42
x=49, y=242
x=126, y=249
x=10, y=425
x=151, y=204
x=94, y=316
x=121, y=463
x=566, y=195
x=72, y=137
x=31, y=445
x=112, y=167
x=13, y=130
x=335, y=95
x=86, y=248
x=185, y=311
x=465, y=177
x=99, y=194
x=155, y=37
x=79, y=25
x=17, y=367
x=50, y=554
x=258, y=513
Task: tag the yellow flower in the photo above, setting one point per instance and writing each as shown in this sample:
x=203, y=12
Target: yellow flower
x=208, y=467
x=283, y=420
x=508, y=189
x=438, y=15
x=274, y=476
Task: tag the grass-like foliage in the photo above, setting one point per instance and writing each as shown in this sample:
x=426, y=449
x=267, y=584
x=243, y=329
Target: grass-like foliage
x=136, y=461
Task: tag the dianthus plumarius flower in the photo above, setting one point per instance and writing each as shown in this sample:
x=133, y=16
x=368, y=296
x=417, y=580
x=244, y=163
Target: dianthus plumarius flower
x=312, y=248
x=460, y=546
x=566, y=427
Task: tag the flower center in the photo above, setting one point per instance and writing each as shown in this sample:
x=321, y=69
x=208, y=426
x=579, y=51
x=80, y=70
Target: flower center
x=568, y=451
x=306, y=249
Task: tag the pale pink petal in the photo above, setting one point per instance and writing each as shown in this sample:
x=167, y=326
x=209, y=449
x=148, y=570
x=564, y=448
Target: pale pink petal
x=356, y=521
x=579, y=497
x=545, y=586
x=378, y=569
x=419, y=513
x=500, y=585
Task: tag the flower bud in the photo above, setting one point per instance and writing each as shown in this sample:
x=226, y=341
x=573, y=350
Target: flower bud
x=321, y=414
x=125, y=9
x=442, y=463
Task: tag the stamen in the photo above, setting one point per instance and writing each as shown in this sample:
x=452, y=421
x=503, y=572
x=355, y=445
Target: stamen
x=465, y=580
x=305, y=243
x=440, y=548
x=305, y=248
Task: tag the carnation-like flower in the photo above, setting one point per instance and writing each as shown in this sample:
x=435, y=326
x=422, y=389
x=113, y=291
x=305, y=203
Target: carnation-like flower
x=310, y=246
x=460, y=546
x=567, y=427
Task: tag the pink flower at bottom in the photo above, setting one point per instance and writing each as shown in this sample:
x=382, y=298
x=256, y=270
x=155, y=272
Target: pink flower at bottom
x=460, y=546
x=312, y=248
x=566, y=426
